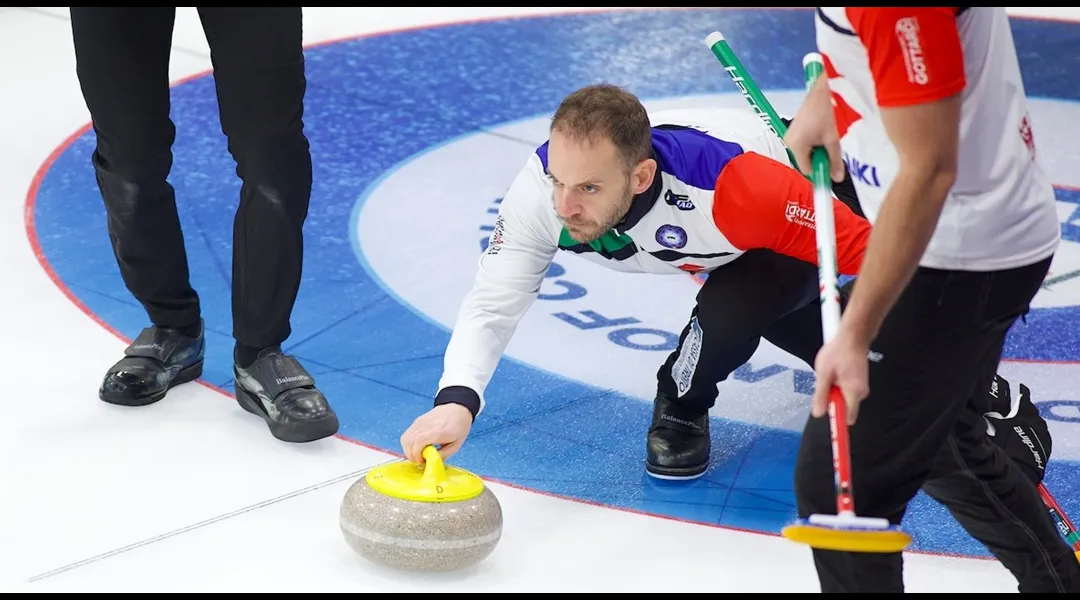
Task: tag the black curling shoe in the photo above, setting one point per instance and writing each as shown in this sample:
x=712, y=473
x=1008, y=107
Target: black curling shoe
x=678, y=442
x=277, y=388
x=158, y=360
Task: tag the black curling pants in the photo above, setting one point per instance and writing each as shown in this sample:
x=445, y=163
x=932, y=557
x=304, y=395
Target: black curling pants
x=922, y=427
x=761, y=295
x=122, y=63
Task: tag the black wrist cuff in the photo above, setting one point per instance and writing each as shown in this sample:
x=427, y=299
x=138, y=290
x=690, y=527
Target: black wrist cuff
x=458, y=394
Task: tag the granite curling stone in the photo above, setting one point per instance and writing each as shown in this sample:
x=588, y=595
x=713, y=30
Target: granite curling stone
x=428, y=517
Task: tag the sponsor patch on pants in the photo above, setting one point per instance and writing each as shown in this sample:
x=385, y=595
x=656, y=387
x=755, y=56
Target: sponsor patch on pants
x=686, y=364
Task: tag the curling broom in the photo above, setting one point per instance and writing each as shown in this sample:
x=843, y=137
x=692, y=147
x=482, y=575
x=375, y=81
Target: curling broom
x=750, y=91
x=844, y=530
x=1064, y=524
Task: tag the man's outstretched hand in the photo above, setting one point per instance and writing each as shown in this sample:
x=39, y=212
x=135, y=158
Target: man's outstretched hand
x=446, y=426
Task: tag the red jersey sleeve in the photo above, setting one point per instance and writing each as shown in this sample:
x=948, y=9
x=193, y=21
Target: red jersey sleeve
x=914, y=51
x=761, y=203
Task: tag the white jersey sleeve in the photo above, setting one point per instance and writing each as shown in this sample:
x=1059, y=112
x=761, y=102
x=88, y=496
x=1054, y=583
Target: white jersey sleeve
x=507, y=282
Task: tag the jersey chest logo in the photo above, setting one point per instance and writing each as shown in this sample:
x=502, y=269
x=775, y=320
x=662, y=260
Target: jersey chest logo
x=679, y=201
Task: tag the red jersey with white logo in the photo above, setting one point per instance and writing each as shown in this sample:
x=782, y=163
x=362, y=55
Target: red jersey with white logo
x=1001, y=211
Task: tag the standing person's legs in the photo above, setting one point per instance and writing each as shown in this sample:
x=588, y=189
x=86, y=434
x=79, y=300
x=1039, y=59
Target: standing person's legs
x=938, y=350
x=259, y=73
x=987, y=491
x=122, y=62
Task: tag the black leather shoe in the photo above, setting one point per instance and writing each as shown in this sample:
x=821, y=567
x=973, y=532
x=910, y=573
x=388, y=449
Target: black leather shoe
x=277, y=388
x=678, y=446
x=158, y=360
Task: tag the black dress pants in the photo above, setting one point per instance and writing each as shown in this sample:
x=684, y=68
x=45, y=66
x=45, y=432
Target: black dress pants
x=122, y=59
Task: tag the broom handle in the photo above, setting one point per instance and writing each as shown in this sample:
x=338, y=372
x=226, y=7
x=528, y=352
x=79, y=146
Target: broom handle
x=750, y=91
x=825, y=229
x=1064, y=524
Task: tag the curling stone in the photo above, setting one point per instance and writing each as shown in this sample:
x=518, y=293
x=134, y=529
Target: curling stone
x=428, y=517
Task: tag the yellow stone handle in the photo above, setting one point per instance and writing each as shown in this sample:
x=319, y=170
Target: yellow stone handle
x=434, y=470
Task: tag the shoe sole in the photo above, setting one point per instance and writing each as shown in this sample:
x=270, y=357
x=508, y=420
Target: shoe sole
x=675, y=473
x=299, y=433
x=187, y=374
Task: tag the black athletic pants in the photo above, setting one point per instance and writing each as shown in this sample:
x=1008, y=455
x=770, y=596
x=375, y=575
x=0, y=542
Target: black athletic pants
x=922, y=426
x=122, y=57
x=762, y=294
